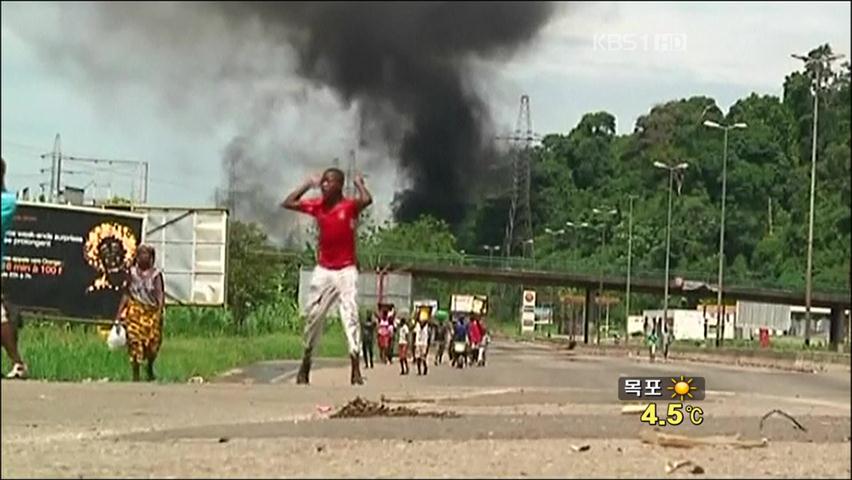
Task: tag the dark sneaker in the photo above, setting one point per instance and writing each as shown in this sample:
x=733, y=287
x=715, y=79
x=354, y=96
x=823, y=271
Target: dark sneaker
x=356, y=378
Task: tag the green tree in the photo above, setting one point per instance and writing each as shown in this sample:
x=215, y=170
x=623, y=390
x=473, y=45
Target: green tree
x=254, y=272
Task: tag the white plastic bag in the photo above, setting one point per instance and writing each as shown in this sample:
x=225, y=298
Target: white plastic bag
x=117, y=337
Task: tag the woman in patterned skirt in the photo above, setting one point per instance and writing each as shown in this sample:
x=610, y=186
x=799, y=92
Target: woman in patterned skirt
x=141, y=310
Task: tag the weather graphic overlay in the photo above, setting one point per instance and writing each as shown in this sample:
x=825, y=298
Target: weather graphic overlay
x=676, y=389
x=109, y=249
x=682, y=388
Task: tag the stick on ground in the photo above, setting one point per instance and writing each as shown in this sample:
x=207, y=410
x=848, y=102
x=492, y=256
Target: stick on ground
x=783, y=414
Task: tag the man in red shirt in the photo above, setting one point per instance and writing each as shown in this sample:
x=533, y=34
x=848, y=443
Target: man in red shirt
x=474, y=335
x=335, y=278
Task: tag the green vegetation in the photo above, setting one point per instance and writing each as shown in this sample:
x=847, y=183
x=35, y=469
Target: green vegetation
x=768, y=164
x=197, y=343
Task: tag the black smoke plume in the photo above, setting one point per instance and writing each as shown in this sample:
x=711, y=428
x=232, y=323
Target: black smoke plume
x=407, y=67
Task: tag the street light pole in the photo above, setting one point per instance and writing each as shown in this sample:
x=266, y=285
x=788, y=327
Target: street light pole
x=576, y=226
x=600, y=287
x=586, y=304
x=820, y=62
x=602, y=213
x=810, y=261
x=491, y=249
x=671, y=169
x=629, y=262
x=531, y=243
x=554, y=233
x=668, y=255
x=720, y=323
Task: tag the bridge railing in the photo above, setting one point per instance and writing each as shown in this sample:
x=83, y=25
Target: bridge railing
x=374, y=259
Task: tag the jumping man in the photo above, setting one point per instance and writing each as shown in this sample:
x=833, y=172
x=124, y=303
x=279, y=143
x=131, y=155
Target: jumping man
x=335, y=278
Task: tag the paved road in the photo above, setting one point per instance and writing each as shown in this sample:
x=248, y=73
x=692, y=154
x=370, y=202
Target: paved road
x=519, y=416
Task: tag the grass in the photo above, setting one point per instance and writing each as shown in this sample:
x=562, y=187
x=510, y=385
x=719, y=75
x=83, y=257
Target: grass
x=199, y=342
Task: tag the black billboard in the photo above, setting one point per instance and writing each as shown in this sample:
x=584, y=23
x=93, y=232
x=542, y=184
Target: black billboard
x=68, y=261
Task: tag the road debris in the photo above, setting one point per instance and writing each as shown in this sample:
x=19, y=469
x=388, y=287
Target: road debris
x=581, y=448
x=682, y=441
x=224, y=439
x=384, y=399
x=324, y=408
x=362, y=408
x=92, y=380
x=628, y=409
x=783, y=414
x=673, y=466
x=196, y=379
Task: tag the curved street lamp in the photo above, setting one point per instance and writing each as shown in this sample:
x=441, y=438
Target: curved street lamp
x=720, y=324
x=672, y=169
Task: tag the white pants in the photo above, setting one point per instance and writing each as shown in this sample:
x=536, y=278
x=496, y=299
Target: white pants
x=327, y=287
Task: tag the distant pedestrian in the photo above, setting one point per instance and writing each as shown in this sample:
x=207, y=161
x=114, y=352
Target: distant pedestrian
x=483, y=345
x=385, y=337
x=460, y=339
x=474, y=335
x=403, y=346
x=368, y=337
x=421, y=346
x=440, y=340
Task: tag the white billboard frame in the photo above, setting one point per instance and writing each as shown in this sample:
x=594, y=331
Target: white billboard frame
x=207, y=277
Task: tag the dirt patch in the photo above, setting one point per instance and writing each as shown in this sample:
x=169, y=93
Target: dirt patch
x=363, y=408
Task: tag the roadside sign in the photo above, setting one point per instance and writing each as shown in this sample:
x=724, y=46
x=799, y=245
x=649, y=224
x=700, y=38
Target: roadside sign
x=69, y=261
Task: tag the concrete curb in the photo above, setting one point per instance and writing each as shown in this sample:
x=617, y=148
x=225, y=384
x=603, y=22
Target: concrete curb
x=810, y=362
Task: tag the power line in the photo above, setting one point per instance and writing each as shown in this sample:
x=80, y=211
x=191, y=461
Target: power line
x=56, y=171
x=21, y=146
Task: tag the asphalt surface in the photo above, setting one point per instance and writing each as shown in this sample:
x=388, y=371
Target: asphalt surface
x=524, y=414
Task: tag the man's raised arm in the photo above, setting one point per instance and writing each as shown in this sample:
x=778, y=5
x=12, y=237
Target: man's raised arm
x=292, y=200
x=364, y=198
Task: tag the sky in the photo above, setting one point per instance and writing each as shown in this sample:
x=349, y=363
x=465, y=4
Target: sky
x=172, y=110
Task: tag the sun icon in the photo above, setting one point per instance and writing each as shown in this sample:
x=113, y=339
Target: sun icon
x=682, y=387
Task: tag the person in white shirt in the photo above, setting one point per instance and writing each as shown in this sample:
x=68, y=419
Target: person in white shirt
x=421, y=346
x=403, y=333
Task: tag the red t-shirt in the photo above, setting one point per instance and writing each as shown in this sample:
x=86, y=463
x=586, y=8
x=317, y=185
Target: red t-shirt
x=336, y=231
x=475, y=333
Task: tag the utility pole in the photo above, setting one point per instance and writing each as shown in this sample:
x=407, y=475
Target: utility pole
x=350, y=172
x=56, y=170
x=819, y=62
x=140, y=167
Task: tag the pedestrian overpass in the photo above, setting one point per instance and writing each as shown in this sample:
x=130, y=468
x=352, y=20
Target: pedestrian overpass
x=582, y=275
x=693, y=285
